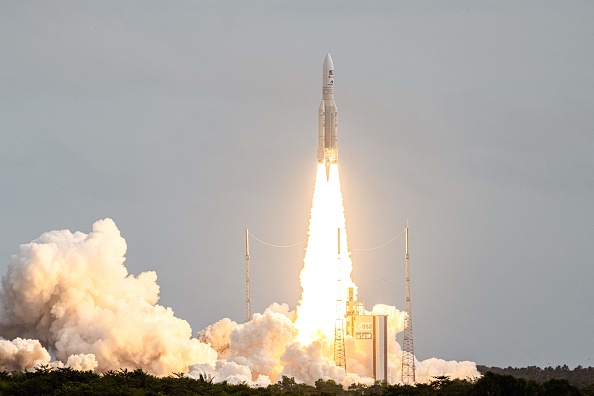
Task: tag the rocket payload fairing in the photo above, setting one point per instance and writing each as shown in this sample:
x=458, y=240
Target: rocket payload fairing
x=328, y=120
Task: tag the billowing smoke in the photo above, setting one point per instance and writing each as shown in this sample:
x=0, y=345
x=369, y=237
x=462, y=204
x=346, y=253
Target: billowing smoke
x=82, y=362
x=22, y=355
x=71, y=293
x=268, y=347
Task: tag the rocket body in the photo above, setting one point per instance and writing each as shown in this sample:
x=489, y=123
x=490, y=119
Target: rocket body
x=328, y=119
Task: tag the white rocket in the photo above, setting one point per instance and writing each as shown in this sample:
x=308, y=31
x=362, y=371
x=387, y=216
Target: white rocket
x=328, y=119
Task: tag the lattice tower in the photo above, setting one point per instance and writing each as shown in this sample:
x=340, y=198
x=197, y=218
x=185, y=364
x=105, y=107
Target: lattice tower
x=248, y=299
x=408, y=356
x=339, y=351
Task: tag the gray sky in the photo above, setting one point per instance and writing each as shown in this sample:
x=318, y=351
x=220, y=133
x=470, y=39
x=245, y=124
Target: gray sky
x=185, y=122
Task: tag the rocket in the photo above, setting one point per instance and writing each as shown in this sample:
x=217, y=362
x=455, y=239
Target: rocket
x=328, y=119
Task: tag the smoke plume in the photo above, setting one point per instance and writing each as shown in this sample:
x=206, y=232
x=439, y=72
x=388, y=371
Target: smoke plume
x=22, y=355
x=72, y=292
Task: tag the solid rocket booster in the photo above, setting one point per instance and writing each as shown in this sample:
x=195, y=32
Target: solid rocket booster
x=328, y=119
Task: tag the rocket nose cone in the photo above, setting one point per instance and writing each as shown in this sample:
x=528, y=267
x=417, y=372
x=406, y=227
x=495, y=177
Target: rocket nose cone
x=328, y=64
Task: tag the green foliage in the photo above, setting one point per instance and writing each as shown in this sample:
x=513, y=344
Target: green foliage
x=504, y=385
x=588, y=390
x=68, y=382
x=559, y=387
x=329, y=387
x=289, y=387
x=579, y=377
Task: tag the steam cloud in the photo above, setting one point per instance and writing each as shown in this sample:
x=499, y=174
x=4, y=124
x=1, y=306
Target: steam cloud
x=71, y=293
x=22, y=355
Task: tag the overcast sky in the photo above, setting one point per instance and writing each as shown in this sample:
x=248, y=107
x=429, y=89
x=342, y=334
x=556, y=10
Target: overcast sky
x=187, y=121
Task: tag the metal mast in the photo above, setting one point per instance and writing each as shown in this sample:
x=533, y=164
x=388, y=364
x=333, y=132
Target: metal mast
x=248, y=300
x=339, y=353
x=408, y=356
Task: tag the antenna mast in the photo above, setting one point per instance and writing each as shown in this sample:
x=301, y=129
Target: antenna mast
x=408, y=356
x=248, y=299
x=339, y=353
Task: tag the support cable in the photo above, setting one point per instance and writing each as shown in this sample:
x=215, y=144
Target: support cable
x=305, y=240
x=277, y=246
x=382, y=245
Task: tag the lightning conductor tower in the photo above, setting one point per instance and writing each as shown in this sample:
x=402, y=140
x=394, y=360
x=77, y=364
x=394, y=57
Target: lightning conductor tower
x=339, y=351
x=248, y=300
x=408, y=356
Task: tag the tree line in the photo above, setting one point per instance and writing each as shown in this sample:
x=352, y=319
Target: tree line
x=66, y=381
x=579, y=376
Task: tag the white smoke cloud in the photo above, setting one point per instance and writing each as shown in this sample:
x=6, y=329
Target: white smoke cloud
x=282, y=309
x=231, y=372
x=72, y=292
x=82, y=362
x=259, y=343
x=218, y=337
x=427, y=369
x=22, y=355
x=308, y=364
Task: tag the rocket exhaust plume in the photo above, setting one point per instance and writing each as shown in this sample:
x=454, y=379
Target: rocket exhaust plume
x=316, y=312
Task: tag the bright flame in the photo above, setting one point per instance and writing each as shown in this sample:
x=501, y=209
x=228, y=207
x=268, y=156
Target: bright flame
x=317, y=309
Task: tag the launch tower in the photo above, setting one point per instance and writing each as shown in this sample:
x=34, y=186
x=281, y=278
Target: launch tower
x=248, y=298
x=339, y=352
x=408, y=356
